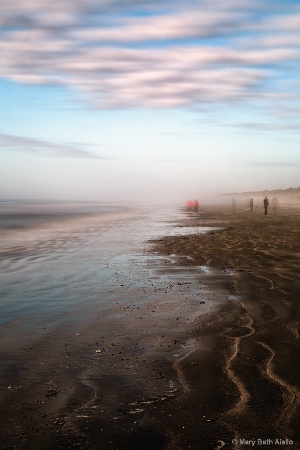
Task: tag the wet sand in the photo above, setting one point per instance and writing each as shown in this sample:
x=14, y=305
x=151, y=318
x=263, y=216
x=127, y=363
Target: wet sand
x=248, y=384
x=195, y=347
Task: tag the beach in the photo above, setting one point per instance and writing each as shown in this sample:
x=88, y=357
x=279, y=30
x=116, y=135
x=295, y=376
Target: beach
x=253, y=390
x=150, y=328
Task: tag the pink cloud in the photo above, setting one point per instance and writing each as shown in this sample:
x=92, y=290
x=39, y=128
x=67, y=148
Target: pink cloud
x=100, y=63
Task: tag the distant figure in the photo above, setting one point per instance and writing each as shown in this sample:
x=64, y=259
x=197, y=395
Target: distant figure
x=233, y=202
x=189, y=205
x=266, y=204
x=251, y=204
x=196, y=206
x=275, y=205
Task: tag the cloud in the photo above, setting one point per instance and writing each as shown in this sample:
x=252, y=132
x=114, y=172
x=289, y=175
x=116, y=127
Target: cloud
x=18, y=12
x=283, y=165
x=261, y=126
x=286, y=22
x=169, y=161
x=178, y=25
x=117, y=77
x=175, y=57
x=25, y=144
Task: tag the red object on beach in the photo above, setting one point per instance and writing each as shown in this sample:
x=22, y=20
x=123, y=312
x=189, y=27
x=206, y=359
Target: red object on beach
x=189, y=203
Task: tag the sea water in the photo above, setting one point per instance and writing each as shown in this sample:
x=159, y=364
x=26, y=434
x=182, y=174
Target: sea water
x=55, y=256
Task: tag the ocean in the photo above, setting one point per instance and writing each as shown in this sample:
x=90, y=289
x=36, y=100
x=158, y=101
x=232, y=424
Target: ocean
x=56, y=256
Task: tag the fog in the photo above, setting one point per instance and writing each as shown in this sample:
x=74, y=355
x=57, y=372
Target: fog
x=143, y=182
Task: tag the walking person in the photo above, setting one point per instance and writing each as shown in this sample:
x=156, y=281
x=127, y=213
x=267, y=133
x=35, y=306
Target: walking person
x=266, y=204
x=251, y=204
x=196, y=206
x=233, y=202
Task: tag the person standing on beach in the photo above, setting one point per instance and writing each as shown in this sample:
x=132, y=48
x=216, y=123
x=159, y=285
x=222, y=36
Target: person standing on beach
x=251, y=204
x=233, y=202
x=196, y=206
x=266, y=204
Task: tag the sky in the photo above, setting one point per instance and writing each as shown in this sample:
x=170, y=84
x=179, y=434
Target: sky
x=110, y=100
